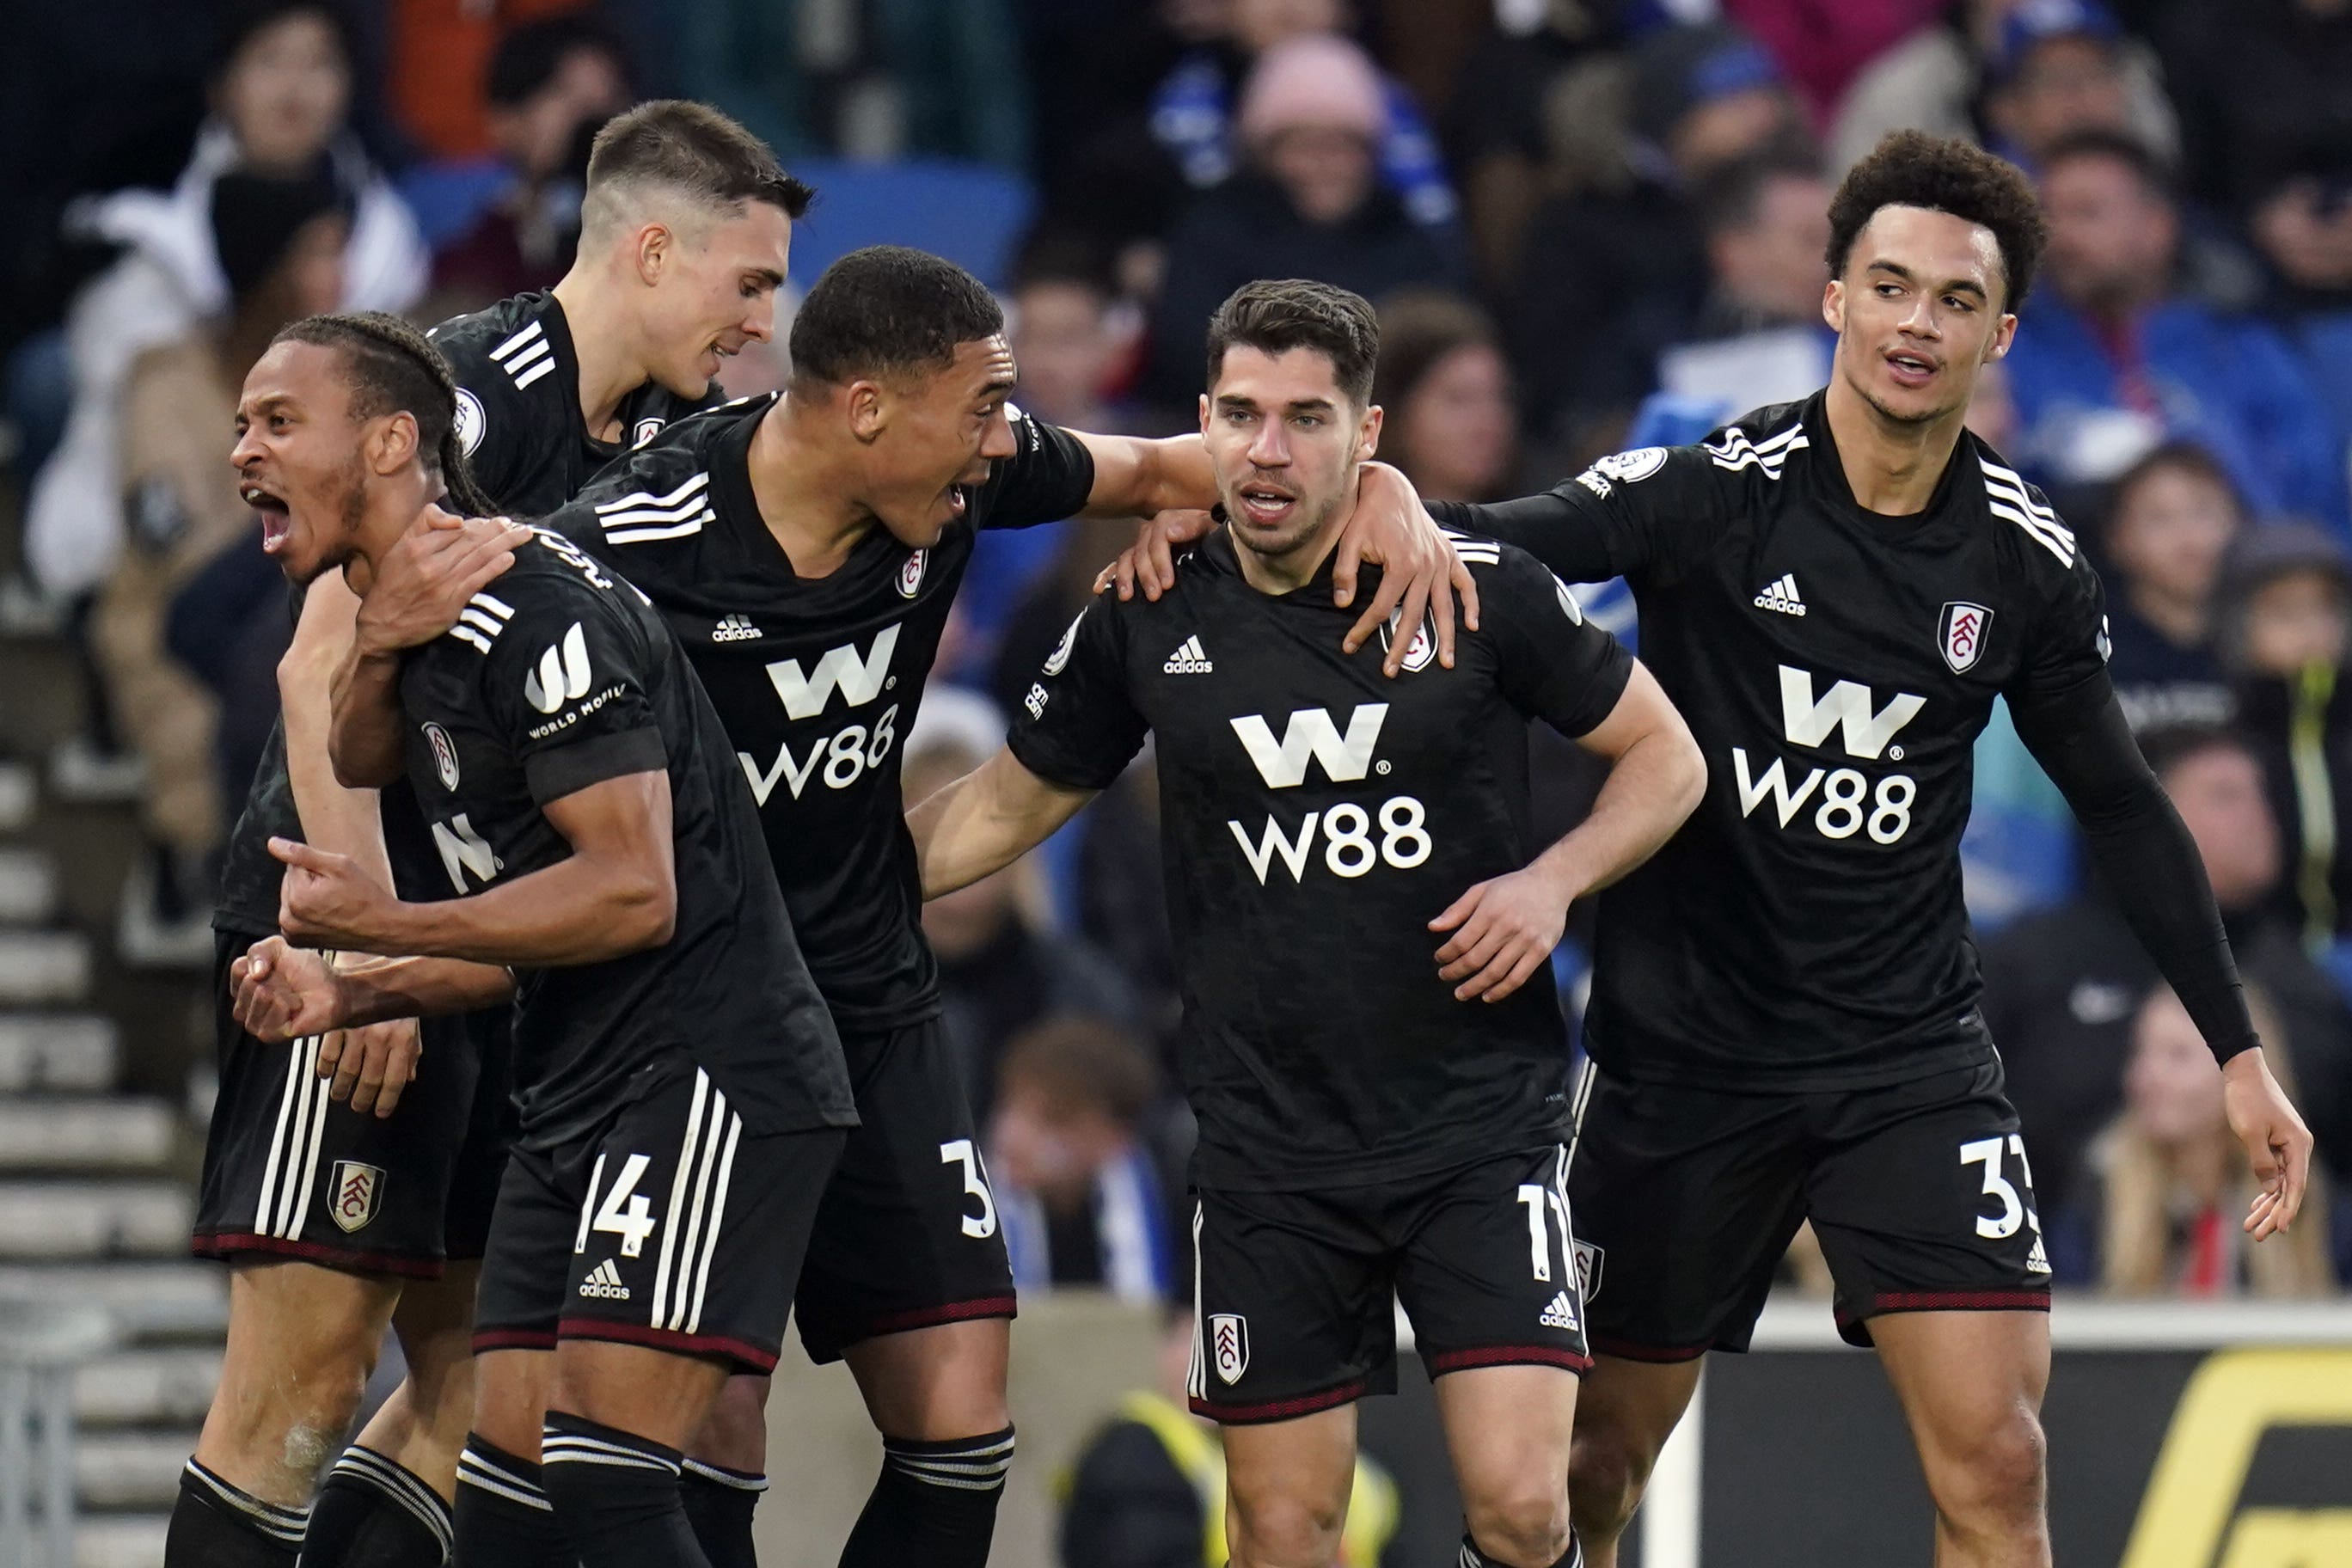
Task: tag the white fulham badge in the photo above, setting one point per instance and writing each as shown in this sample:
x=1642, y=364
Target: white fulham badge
x=444, y=754
x=1420, y=650
x=1961, y=634
x=1229, y=1346
x=911, y=576
x=357, y=1188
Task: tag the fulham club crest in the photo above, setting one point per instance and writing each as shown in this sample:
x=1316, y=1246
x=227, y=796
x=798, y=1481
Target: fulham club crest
x=911, y=576
x=1961, y=636
x=444, y=755
x=357, y=1187
x=1229, y=1346
x=1418, y=652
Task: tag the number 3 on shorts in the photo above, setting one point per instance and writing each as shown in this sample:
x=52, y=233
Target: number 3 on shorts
x=981, y=1225
x=1987, y=1152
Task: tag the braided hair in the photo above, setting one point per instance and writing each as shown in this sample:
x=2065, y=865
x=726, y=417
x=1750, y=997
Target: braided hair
x=393, y=369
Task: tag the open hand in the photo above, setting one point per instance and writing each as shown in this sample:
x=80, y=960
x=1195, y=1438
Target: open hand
x=422, y=582
x=1419, y=570
x=1504, y=931
x=1150, y=562
x=2277, y=1143
x=370, y=1064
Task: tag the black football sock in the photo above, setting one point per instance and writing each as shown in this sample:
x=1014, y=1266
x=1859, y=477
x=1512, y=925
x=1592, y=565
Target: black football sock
x=217, y=1525
x=1472, y=1558
x=718, y=1504
x=503, y=1517
x=616, y=1496
x=935, y=1504
x=373, y=1514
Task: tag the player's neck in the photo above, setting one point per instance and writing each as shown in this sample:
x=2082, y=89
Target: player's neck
x=603, y=346
x=806, y=492
x=1892, y=468
x=390, y=509
x=1288, y=573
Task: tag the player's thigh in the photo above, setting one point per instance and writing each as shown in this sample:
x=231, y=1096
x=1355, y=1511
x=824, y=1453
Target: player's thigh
x=289, y=1172
x=1486, y=1267
x=1507, y=1429
x=907, y=1234
x=687, y=1230
x=1924, y=1201
x=510, y=1395
x=1287, y=1484
x=936, y=1384
x=658, y=1394
x=1292, y=1295
x=1684, y=1201
x=1970, y=1384
x=301, y=1341
x=489, y=1128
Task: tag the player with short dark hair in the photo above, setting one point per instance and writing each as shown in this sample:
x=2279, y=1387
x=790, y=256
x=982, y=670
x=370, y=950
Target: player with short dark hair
x=680, y=1088
x=686, y=242
x=1382, y=1109
x=1784, y=1023
x=806, y=547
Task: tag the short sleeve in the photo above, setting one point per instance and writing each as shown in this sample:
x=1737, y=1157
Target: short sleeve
x=1077, y=727
x=1551, y=663
x=2067, y=645
x=564, y=684
x=1047, y=479
x=1644, y=515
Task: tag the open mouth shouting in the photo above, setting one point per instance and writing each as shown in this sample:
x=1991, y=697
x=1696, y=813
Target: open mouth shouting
x=277, y=522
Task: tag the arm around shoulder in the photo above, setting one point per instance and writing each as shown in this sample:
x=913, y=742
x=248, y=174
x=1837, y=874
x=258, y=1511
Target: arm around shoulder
x=986, y=820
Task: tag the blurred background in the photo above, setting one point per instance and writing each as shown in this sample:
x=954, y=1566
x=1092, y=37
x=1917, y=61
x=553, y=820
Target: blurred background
x=1588, y=225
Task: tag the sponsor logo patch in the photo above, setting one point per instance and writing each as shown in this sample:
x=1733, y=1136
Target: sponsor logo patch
x=471, y=422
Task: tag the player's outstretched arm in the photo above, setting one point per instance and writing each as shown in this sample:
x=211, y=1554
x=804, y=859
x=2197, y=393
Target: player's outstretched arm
x=2146, y=854
x=986, y=820
x=615, y=894
x=1504, y=929
x=279, y=991
x=416, y=593
x=1389, y=528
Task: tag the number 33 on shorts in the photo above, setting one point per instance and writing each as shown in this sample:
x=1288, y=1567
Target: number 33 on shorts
x=980, y=1209
x=2014, y=1210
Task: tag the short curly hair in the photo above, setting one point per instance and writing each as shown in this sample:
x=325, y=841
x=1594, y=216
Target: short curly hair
x=1912, y=169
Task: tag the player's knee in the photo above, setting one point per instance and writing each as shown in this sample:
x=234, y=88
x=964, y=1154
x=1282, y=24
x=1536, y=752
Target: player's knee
x=1287, y=1530
x=735, y=1433
x=1996, y=1476
x=1606, y=1472
x=1519, y=1524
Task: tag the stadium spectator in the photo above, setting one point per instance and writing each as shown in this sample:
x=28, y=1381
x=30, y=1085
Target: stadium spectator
x=1988, y=53
x=2283, y=636
x=1759, y=337
x=550, y=84
x=1446, y=391
x=1309, y=205
x=281, y=243
x=1823, y=44
x=1148, y=1489
x=2174, y=1181
x=1001, y=970
x=2302, y=225
x=2171, y=520
x=2111, y=358
x=281, y=97
x=1194, y=118
x=1084, y=1198
x=2061, y=986
x=1611, y=277
x=2260, y=86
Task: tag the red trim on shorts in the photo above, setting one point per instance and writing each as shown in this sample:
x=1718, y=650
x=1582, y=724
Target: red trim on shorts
x=232, y=1246
x=512, y=1339
x=1443, y=1362
x=1961, y=1301
x=1633, y=1350
x=1280, y=1409
x=932, y=1317
x=742, y=1351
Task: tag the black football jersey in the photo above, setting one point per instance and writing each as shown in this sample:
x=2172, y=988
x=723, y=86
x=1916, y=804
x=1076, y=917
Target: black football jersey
x=1806, y=926
x=1315, y=818
x=559, y=677
x=528, y=447
x=526, y=442
x=817, y=680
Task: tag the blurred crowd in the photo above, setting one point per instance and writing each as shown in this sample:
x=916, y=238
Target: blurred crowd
x=1588, y=223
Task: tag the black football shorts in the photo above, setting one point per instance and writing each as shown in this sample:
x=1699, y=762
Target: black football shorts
x=1295, y=1293
x=1920, y=1195
x=289, y=1172
x=665, y=1224
x=906, y=1236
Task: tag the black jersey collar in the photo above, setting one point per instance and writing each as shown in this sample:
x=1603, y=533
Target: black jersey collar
x=1829, y=474
x=1219, y=551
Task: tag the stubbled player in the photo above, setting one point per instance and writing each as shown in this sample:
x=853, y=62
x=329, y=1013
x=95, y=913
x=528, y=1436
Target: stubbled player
x=806, y=548
x=681, y=1087
x=1784, y=1016
x=1357, y=910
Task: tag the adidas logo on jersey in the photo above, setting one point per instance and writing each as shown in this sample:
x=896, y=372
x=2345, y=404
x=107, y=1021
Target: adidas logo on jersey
x=734, y=628
x=1781, y=596
x=1190, y=659
x=1560, y=1314
x=604, y=1284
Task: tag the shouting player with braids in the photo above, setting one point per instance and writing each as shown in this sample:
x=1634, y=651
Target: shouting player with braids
x=1784, y=1022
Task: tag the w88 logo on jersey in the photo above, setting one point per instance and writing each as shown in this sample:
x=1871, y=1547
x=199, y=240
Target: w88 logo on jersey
x=1355, y=838
x=1843, y=801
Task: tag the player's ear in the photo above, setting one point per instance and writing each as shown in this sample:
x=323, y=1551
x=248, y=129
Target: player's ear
x=2002, y=336
x=1204, y=413
x=868, y=409
x=654, y=251
x=1368, y=434
x=392, y=444
x=1833, y=305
